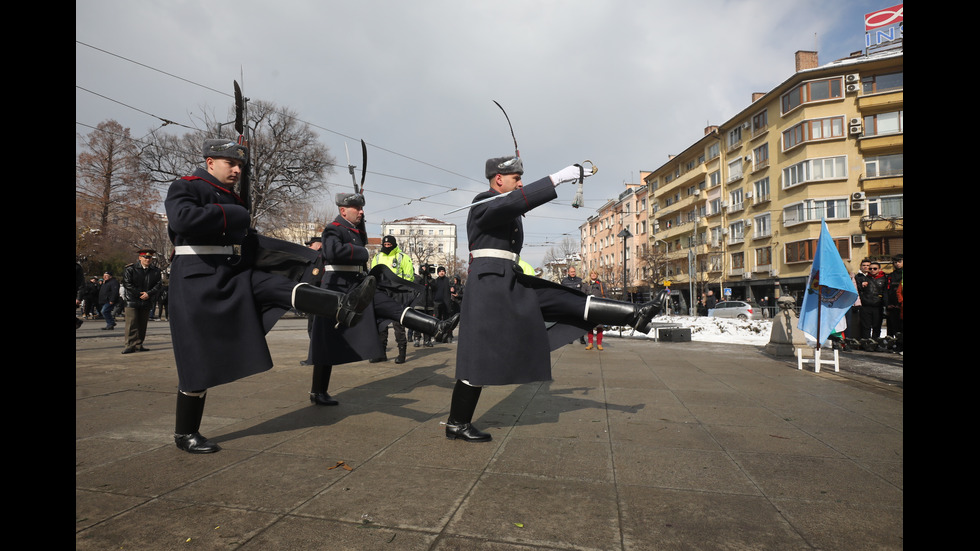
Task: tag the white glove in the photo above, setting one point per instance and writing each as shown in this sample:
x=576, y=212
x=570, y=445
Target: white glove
x=568, y=174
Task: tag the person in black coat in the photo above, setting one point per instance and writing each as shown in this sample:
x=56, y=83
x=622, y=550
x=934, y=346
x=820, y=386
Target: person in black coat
x=228, y=287
x=503, y=334
x=141, y=286
x=108, y=298
x=345, y=256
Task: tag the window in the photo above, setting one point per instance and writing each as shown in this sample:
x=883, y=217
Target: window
x=762, y=226
x=735, y=170
x=884, y=165
x=813, y=130
x=803, y=251
x=882, y=83
x=884, y=123
x=714, y=150
x=760, y=122
x=714, y=206
x=812, y=91
x=715, y=236
x=760, y=156
x=888, y=206
x=761, y=189
x=738, y=261
x=827, y=168
x=763, y=258
x=734, y=137
x=714, y=179
x=814, y=210
x=735, y=200
x=736, y=232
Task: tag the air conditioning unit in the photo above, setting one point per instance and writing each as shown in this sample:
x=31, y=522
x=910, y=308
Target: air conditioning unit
x=748, y=223
x=748, y=194
x=724, y=231
x=747, y=275
x=853, y=77
x=697, y=192
x=856, y=121
x=857, y=196
x=724, y=204
x=856, y=130
x=747, y=158
x=852, y=88
x=858, y=239
x=857, y=206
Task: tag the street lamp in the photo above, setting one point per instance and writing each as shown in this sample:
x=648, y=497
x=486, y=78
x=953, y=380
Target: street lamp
x=625, y=234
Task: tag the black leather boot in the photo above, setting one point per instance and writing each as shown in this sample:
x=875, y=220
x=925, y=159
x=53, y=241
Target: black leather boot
x=435, y=328
x=321, y=381
x=345, y=308
x=603, y=311
x=190, y=410
x=460, y=426
x=401, y=353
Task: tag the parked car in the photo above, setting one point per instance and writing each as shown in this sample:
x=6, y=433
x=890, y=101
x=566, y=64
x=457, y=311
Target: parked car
x=737, y=309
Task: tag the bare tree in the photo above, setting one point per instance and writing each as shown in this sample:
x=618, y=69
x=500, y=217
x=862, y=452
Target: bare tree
x=557, y=259
x=114, y=199
x=289, y=165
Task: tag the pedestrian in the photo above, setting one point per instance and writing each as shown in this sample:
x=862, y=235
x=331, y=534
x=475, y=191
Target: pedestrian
x=401, y=265
x=872, y=291
x=572, y=281
x=440, y=296
x=109, y=297
x=503, y=336
x=456, y=294
x=345, y=258
x=594, y=287
x=142, y=282
x=162, y=314
x=224, y=304
x=893, y=316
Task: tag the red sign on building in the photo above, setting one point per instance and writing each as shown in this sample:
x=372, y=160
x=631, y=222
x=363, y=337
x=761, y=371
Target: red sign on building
x=883, y=18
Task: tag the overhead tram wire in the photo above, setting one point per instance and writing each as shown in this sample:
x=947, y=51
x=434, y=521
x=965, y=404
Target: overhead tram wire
x=167, y=122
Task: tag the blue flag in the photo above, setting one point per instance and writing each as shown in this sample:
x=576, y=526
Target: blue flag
x=829, y=289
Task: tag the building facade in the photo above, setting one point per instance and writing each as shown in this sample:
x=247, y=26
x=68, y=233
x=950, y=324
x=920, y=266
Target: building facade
x=615, y=242
x=426, y=239
x=739, y=211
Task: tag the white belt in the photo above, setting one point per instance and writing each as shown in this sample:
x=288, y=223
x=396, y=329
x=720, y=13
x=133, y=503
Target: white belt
x=495, y=253
x=342, y=268
x=209, y=249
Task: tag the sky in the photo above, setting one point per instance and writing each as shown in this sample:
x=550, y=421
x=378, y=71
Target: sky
x=621, y=83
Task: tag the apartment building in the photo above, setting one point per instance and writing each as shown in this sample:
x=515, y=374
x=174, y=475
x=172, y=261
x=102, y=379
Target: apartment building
x=739, y=210
x=615, y=243
x=428, y=240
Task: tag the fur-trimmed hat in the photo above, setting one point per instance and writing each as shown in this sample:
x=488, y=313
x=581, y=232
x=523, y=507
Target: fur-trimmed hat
x=224, y=148
x=504, y=165
x=349, y=200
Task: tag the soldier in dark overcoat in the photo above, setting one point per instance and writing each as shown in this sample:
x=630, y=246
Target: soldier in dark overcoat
x=503, y=337
x=345, y=257
x=221, y=305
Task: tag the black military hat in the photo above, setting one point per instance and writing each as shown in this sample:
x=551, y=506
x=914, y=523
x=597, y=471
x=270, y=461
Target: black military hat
x=349, y=200
x=389, y=240
x=225, y=148
x=504, y=165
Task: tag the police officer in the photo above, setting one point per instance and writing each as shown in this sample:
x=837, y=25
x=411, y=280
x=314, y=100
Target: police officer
x=503, y=338
x=345, y=257
x=401, y=264
x=142, y=283
x=221, y=305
